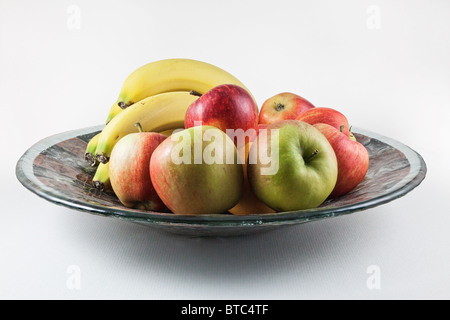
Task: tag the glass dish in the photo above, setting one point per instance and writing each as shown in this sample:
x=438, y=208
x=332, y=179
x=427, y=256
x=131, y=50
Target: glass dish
x=55, y=170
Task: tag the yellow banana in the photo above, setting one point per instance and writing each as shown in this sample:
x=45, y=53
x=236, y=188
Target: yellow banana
x=113, y=111
x=101, y=178
x=170, y=75
x=89, y=154
x=157, y=113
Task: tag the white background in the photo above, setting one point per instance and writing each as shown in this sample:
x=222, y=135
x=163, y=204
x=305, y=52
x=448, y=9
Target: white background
x=385, y=64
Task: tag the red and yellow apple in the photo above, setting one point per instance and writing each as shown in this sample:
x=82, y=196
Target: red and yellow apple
x=326, y=115
x=129, y=171
x=283, y=106
x=352, y=158
x=195, y=172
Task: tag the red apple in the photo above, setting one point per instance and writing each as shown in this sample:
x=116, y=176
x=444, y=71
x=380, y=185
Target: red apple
x=283, y=106
x=260, y=127
x=253, y=134
x=129, y=171
x=352, y=158
x=225, y=107
x=244, y=145
x=326, y=115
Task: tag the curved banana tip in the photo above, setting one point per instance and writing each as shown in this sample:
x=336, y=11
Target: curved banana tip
x=117, y=108
x=102, y=158
x=99, y=185
x=89, y=157
x=110, y=117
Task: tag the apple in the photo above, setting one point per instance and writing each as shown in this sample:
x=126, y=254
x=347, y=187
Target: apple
x=302, y=171
x=129, y=170
x=352, y=158
x=261, y=126
x=249, y=203
x=225, y=107
x=244, y=145
x=195, y=172
x=283, y=106
x=326, y=115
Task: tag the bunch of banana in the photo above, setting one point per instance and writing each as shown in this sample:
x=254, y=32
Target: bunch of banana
x=157, y=96
x=170, y=75
x=157, y=113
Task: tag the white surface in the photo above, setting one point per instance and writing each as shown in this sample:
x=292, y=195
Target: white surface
x=393, y=80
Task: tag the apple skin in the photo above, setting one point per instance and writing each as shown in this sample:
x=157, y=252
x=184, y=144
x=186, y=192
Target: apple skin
x=225, y=106
x=129, y=171
x=326, y=115
x=261, y=126
x=352, y=158
x=283, y=106
x=303, y=180
x=249, y=203
x=196, y=189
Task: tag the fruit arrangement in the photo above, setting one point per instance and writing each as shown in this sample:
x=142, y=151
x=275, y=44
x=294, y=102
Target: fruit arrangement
x=187, y=137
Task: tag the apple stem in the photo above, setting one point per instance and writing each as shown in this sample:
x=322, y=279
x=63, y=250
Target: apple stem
x=138, y=125
x=279, y=106
x=307, y=159
x=195, y=93
x=342, y=128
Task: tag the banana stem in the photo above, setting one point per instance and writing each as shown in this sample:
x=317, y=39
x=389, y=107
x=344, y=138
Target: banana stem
x=195, y=93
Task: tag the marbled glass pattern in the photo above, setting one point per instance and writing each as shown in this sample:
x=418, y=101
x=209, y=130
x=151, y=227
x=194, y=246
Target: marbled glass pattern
x=55, y=170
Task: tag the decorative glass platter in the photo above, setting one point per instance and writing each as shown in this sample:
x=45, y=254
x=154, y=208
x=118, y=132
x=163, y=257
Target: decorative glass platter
x=55, y=169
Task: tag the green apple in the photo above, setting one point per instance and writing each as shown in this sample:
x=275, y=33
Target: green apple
x=292, y=166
